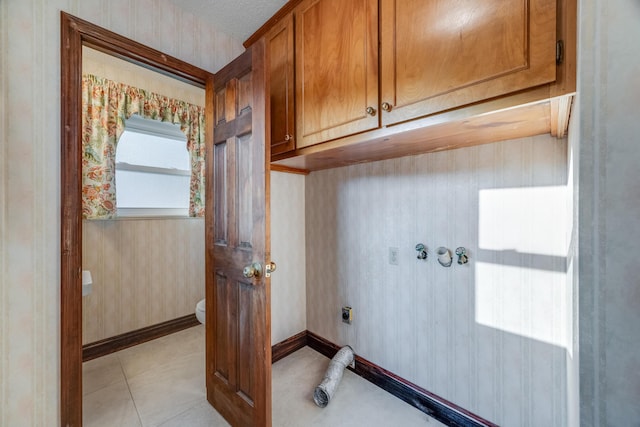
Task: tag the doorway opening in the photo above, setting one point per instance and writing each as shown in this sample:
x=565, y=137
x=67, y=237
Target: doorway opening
x=77, y=33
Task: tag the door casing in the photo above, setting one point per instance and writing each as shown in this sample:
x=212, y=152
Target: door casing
x=76, y=33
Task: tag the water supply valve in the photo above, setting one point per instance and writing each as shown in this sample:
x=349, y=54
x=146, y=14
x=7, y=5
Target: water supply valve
x=462, y=255
x=422, y=251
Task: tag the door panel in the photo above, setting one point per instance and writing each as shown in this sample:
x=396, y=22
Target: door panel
x=245, y=191
x=222, y=328
x=245, y=339
x=220, y=193
x=238, y=310
x=336, y=69
x=441, y=54
x=280, y=49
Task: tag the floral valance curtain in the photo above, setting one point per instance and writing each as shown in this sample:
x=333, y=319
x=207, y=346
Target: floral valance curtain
x=105, y=107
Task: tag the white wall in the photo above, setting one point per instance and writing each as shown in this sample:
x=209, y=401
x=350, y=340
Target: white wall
x=288, y=291
x=116, y=69
x=491, y=336
x=30, y=171
x=573, y=283
x=145, y=271
x=609, y=98
x=156, y=276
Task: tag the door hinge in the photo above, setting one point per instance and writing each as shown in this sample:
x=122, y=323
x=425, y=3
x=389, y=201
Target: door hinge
x=559, y=52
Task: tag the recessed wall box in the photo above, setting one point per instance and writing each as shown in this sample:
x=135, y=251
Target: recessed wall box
x=347, y=314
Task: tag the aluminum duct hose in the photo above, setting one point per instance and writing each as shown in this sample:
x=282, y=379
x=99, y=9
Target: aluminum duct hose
x=332, y=377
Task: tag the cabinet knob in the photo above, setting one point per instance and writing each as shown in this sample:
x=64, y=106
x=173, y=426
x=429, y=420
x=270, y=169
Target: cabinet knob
x=288, y=137
x=371, y=111
x=386, y=106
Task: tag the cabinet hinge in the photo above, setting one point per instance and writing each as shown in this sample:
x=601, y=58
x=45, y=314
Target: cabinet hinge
x=559, y=52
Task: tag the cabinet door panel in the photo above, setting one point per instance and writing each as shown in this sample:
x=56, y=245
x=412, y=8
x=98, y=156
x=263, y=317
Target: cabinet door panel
x=281, y=86
x=336, y=69
x=441, y=54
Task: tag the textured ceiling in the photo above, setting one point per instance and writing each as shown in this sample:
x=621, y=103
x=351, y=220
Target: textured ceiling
x=237, y=18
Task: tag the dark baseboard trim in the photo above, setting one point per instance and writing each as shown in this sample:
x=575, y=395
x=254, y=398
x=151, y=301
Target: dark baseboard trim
x=429, y=403
x=288, y=346
x=128, y=339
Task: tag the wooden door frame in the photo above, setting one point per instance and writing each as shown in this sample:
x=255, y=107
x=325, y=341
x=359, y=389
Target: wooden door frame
x=76, y=33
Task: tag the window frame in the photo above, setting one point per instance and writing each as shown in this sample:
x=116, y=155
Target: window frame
x=156, y=128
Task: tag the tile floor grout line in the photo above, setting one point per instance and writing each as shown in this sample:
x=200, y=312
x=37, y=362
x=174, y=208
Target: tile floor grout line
x=133, y=400
x=191, y=408
x=294, y=379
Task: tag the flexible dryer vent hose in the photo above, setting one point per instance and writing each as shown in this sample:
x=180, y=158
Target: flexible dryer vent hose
x=325, y=391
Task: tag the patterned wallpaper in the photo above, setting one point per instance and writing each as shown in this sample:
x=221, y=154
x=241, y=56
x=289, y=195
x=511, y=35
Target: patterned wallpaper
x=609, y=126
x=145, y=271
x=477, y=334
x=30, y=175
x=573, y=282
x=30, y=219
x=112, y=68
x=288, y=290
x=149, y=271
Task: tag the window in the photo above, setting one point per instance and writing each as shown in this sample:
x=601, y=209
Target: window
x=153, y=169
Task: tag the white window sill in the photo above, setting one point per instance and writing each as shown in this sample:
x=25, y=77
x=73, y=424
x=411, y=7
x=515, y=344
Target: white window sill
x=152, y=213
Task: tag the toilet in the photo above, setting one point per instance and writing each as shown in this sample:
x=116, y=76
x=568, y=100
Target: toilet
x=87, y=282
x=200, y=311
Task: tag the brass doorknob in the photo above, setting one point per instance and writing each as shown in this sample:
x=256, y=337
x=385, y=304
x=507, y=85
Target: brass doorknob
x=371, y=111
x=386, y=106
x=288, y=137
x=252, y=270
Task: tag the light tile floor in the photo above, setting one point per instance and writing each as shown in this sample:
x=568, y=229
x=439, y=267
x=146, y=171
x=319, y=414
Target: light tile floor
x=161, y=383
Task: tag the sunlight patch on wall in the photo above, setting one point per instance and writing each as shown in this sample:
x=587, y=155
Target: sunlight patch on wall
x=526, y=220
x=522, y=301
x=521, y=264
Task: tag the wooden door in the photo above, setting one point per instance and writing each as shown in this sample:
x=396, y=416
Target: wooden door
x=336, y=69
x=281, y=85
x=441, y=54
x=238, y=333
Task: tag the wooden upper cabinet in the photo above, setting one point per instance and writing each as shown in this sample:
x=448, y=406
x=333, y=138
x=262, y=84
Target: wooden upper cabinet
x=336, y=69
x=376, y=79
x=280, y=50
x=441, y=54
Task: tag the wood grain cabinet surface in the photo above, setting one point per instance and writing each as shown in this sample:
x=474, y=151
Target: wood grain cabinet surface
x=441, y=54
x=336, y=69
x=279, y=43
x=378, y=79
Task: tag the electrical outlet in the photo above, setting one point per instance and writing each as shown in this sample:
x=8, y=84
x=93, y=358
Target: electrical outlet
x=393, y=256
x=347, y=315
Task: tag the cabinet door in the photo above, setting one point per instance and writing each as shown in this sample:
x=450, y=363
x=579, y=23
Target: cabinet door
x=336, y=69
x=442, y=54
x=281, y=86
